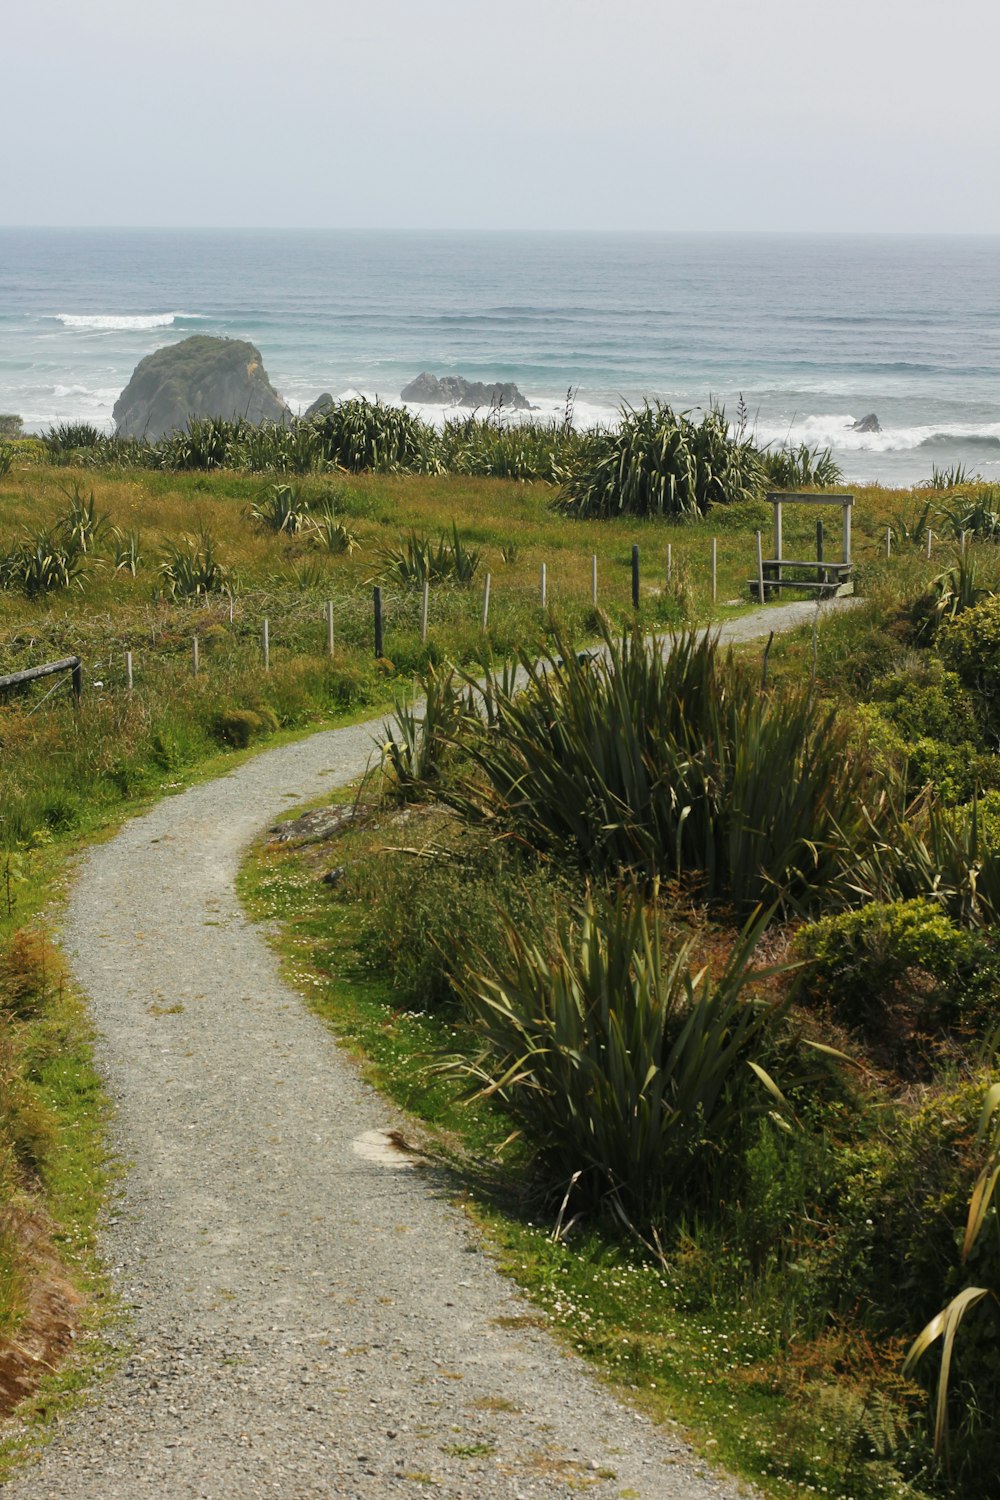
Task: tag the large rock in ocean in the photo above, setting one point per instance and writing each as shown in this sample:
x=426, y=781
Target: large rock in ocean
x=200, y=377
x=455, y=390
x=870, y=423
x=323, y=403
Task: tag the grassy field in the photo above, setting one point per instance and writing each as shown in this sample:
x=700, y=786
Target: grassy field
x=67, y=773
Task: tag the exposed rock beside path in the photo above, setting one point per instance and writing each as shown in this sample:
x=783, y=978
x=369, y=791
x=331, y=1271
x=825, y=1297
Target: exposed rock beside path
x=306, y=1321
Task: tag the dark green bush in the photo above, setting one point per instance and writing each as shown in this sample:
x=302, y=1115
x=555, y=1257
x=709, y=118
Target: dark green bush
x=663, y=763
x=898, y=1199
x=865, y=962
x=657, y=462
x=238, y=726
x=421, y=920
x=955, y=772
x=630, y=1075
x=928, y=701
x=794, y=468
x=970, y=645
x=359, y=434
x=491, y=446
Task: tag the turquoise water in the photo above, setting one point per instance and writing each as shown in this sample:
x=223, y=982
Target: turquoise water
x=814, y=331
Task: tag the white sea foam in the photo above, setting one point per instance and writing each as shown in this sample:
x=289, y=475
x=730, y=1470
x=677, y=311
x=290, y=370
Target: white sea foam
x=585, y=415
x=116, y=322
x=836, y=430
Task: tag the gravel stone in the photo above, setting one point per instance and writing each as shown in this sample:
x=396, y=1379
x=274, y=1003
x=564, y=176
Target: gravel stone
x=304, y=1321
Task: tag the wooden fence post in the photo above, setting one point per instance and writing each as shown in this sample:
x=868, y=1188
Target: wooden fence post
x=767, y=652
x=593, y=580
x=377, y=602
x=265, y=643
x=195, y=655
x=425, y=599
x=670, y=564
x=486, y=603
x=635, y=576
x=329, y=627
x=715, y=569
x=77, y=682
x=930, y=535
x=888, y=541
x=760, y=570
x=128, y=670
x=543, y=586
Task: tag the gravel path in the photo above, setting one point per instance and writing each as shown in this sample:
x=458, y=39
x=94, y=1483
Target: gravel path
x=307, y=1321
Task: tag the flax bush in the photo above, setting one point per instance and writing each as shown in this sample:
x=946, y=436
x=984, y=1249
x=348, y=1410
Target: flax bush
x=658, y=462
x=662, y=762
x=633, y=1077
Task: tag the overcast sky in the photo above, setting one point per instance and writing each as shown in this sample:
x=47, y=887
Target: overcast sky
x=557, y=114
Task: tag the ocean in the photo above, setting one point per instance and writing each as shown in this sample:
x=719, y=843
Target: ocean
x=811, y=332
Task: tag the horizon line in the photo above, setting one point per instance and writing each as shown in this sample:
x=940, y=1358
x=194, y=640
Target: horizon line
x=505, y=231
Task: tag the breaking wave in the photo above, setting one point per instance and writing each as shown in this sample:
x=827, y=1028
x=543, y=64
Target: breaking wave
x=836, y=431
x=116, y=322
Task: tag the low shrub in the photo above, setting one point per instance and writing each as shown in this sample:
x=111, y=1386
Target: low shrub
x=192, y=568
x=29, y=972
x=281, y=508
x=42, y=562
x=969, y=1370
x=329, y=532
x=955, y=772
x=977, y=517
x=238, y=726
x=64, y=439
x=928, y=700
x=359, y=434
x=351, y=687
x=927, y=850
x=420, y=920
x=491, y=446
x=885, y=954
x=970, y=644
x=418, y=560
x=787, y=467
x=960, y=588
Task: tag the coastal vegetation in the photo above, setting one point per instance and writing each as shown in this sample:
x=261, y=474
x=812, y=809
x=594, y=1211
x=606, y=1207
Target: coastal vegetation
x=719, y=951
x=653, y=461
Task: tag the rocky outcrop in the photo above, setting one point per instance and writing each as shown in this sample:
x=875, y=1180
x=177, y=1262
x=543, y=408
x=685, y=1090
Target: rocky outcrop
x=321, y=404
x=455, y=390
x=870, y=423
x=200, y=377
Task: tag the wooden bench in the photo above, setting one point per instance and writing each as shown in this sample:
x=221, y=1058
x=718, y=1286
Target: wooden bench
x=816, y=575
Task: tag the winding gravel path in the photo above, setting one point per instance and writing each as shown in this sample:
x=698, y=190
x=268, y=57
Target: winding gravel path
x=305, y=1321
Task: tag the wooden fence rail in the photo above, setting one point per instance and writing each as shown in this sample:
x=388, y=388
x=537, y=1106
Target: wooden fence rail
x=71, y=664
